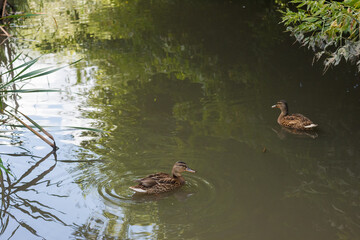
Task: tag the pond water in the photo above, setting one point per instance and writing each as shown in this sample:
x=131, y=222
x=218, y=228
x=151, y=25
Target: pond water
x=168, y=81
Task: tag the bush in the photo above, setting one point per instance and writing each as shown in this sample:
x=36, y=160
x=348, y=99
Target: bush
x=330, y=28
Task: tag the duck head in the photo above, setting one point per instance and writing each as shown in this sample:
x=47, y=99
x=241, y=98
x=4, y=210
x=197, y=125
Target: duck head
x=282, y=105
x=180, y=167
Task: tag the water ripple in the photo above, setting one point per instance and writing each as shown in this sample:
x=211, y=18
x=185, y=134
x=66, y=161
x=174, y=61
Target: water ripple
x=117, y=191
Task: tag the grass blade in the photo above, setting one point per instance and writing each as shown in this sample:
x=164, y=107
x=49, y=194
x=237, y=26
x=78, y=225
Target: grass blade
x=53, y=145
x=21, y=15
x=32, y=73
x=12, y=62
x=26, y=66
x=64, y=128
x=3, y=167
x=42, y=74
x=37, y=125
x=22, y=76
x=30, y=90
x=51, y=71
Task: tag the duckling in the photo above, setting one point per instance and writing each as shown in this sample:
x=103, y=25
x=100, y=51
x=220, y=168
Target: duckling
x=295, y=121
x=162, y=182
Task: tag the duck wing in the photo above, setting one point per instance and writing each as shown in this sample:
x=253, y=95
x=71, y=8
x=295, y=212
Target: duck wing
x=157, y=183
x=153, y=179
x=296, y=120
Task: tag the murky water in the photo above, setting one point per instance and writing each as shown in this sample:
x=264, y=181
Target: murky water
x=179, y=80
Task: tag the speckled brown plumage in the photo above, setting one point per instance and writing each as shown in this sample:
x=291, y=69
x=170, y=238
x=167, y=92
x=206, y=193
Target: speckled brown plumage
x=162, y=182
x=295, y=121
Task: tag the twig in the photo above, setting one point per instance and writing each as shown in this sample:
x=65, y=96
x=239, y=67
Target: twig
x=53, y=145
x=4, y=41
x=55, y=23
x=5, y=32
x=3, y=10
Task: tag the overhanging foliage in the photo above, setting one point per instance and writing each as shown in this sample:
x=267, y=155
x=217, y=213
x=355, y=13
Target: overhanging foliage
x=330, y=28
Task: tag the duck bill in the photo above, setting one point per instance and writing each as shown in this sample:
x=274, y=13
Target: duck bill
x=190, y=170
x=273, y=106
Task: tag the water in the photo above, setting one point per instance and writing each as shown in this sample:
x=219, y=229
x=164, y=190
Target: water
x=189, y=81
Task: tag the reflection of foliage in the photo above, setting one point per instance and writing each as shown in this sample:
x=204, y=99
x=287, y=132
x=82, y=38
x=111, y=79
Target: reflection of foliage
x=20, y=74
x=11, y=200
x=171, y=87
x=174, y=77
x=172, y=66
x=333, y=190
x=133, y=225
x=330, y=26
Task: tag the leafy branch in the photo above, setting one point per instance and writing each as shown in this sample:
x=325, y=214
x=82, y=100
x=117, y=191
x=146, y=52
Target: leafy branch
x=329, y=28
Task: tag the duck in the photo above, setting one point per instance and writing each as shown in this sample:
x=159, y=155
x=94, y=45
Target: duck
x=163, y=182
x=293, y=121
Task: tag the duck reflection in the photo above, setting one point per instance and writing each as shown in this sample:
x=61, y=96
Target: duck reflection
x=283, y=132
x=178, y=194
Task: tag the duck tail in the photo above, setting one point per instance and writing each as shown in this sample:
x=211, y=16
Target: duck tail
x=139, y=190
x=313, y=125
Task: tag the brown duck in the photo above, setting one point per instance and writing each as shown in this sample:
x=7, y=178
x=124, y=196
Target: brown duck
x=163, y=182
x=295, y=121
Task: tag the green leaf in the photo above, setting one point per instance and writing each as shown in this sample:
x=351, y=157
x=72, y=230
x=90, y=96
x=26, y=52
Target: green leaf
x=311, y=19
x=22, y=65
x=4, y=168
x=32, y=73
x=16, y=16
x=31, y=90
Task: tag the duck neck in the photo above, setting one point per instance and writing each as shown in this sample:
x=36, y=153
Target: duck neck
x=284, y=112
x=178, y=177
x=175, y=174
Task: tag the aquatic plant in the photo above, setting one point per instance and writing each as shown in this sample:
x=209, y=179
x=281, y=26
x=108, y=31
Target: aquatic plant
x=8, y=11
x=20, y=74
x=329, y=28
x=3, y=167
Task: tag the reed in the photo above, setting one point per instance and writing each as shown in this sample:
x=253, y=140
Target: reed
x=21, y=73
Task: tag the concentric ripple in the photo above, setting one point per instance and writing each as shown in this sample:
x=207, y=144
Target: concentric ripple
x=118, y=192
